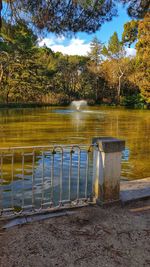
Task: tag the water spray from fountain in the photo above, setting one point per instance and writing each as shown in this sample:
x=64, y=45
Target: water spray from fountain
x=78, y=105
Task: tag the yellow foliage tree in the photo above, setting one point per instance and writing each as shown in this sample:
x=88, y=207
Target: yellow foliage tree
x=143, y=57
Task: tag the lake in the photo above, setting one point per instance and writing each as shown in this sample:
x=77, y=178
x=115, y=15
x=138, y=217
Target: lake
x=61, y=125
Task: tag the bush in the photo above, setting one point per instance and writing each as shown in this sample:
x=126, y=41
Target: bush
x=135, y=101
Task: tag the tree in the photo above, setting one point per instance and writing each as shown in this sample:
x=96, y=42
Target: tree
x=95, y=53
x=115, y=52
x=130, y=32
x=143, y=60
x=115, y=49
x=137, y=9
x=70, y=15
x=94, y=64
x=67, y=78
x=140, y=75
x=29, y=73
x=23, y=75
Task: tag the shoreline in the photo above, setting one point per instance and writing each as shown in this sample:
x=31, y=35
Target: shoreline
x=38, y=105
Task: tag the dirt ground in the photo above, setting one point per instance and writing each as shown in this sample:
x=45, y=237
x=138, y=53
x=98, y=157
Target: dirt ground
x=91, y=237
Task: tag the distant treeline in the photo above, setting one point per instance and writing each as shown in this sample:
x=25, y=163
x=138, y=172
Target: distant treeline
x=33, y=74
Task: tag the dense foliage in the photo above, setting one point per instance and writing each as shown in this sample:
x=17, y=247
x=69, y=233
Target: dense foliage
x=29, y=73
x=143, y=57
x=70, y=15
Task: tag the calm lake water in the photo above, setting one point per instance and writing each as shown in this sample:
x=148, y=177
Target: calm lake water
x=61, y=125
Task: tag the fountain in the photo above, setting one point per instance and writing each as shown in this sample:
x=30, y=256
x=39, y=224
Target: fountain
x=79, y=104
x=78, y=109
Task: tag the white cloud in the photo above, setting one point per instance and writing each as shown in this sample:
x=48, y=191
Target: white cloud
x=46, y=41
x=76, y=46
x=131, y=51
x=60, y=39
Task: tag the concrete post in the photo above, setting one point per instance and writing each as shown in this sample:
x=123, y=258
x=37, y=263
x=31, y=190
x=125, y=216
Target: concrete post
x=107, y=169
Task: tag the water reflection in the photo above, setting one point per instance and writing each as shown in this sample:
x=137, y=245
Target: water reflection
x=53, y=178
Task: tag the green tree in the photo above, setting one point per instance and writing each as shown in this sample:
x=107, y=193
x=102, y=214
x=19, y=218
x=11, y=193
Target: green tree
x=115, y=49
x=143, y=59
x=115, y=53
x=95, y=53
x=94, y=66
x=22, y=76
x=29, y=73
x=130, y=32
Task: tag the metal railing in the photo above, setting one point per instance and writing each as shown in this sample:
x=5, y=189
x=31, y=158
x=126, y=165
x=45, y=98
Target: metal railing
x=37, y=178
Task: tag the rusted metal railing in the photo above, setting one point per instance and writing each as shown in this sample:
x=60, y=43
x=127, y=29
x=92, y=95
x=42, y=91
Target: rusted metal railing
x=37, y=178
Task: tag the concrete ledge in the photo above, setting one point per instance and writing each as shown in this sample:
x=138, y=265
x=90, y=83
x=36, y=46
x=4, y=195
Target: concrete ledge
x=134, y=190
x=109, y=144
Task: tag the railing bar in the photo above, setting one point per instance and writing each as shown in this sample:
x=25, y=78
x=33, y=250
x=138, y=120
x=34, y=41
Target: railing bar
x=12, y=181
x=70, y=174
x=22, y=180
x=33, y=180
x=42, y=200
x=11, y=154
x=52, y=177
x=24, y=147
x=7, y=210
x=28, y=154
x=46, y=146
x=1, y=187
x=86, y=176
x=61, y=176
x=7, y=155
x=47, y=204
x=78, y=179
x=27, y=206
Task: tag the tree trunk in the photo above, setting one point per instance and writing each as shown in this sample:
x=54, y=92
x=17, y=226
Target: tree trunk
x=96, y=95
x=1, y=72
x=1, y=7
x=119, y=87
x=7, y=97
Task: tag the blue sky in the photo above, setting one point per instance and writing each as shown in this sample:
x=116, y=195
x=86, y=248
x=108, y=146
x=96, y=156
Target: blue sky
x=80, y=43
x=107, y=29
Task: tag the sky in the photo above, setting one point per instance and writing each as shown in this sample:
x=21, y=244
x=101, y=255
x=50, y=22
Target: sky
x=80, y=43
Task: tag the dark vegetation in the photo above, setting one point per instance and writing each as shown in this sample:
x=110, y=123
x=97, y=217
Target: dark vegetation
x=33, y=74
